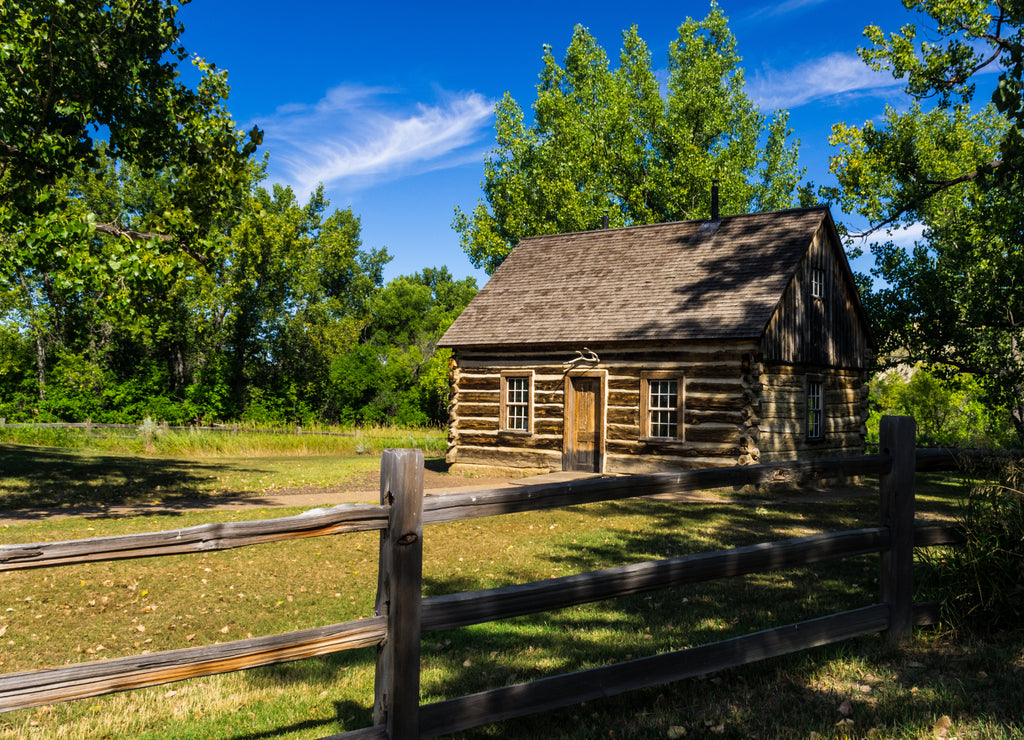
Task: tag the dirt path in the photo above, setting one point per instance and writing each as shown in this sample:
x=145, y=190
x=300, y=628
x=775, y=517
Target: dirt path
x=365, y=489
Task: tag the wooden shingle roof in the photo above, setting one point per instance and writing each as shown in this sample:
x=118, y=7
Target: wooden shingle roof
x=688, y=280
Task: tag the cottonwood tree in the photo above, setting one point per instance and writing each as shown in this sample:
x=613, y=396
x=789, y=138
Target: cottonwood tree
x=956, y=299
x=609, y=141
x=79, y=78
x=82, y=83
x=397, y=374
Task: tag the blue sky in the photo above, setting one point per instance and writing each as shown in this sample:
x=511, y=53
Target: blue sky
x=390, y=104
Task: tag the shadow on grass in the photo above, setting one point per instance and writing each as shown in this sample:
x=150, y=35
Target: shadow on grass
x=346, y=714
x=299, y=676
x=887, y=693
x=38, y=479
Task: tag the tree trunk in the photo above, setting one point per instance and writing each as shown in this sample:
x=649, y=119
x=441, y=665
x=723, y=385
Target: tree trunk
x=1017, y=409
x=41, y=365
x=37, y=332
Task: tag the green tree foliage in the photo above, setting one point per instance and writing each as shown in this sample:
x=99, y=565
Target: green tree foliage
x=76, y=76
x=949, y=407
x=397, y=373
x=973, y=35
x=145, y=269
x=956, y=298
x=608, y=141
x=290, y=320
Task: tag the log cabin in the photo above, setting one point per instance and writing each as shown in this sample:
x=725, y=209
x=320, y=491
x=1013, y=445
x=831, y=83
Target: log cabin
x=703, y=343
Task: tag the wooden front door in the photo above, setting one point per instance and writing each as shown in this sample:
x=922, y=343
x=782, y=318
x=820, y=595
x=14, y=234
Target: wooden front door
x=582, y=424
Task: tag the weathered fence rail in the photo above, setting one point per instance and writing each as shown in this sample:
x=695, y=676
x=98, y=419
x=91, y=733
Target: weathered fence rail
x=402, y=615
x=200, y=538
x=34, y=688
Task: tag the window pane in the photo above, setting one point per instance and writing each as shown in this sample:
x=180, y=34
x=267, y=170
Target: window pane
x=663, y=406
x=817, y=283
x=517, y=403
x=814, y=409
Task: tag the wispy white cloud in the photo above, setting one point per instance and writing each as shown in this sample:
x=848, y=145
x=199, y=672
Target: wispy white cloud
x=784, y=8
x=828, y=77
x=358, y=135
x=904, y=236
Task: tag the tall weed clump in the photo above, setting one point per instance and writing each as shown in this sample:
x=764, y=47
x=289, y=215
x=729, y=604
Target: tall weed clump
x=981, y=580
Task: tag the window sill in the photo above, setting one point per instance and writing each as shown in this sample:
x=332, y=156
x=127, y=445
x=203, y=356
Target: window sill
x=515, y=432
x=663, y=441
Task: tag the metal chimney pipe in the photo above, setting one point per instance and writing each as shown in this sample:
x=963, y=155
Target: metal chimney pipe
x=714, y=200
x=604, y=220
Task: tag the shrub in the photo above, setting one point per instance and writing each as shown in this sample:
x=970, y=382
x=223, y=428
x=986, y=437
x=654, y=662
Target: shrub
x=951, y=409
x=981, y=581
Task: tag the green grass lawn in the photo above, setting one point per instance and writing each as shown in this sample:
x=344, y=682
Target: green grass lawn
x=854, y=690
x=74, y=469
x=52, y=478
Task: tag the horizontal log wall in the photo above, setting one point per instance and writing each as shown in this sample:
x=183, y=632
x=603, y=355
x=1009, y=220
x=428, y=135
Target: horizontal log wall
x=782, y=412
x=715, y=398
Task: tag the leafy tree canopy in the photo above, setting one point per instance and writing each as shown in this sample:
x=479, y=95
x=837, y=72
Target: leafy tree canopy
x=397, y=373
x=76, y=76
x=974, y=36
x=956, y=299
x=610, y=141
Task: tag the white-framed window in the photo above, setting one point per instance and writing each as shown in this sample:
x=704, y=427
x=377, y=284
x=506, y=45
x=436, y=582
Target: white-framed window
x=817, y=282
x=517, y=402
x=661, y=405
x=815, y=408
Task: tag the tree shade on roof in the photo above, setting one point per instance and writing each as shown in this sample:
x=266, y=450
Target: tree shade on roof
x=688, y=280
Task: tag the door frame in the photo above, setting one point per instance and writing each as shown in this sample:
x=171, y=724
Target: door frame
x=600, y=414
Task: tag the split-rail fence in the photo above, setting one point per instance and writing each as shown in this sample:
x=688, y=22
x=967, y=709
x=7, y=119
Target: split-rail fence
x=402, y=615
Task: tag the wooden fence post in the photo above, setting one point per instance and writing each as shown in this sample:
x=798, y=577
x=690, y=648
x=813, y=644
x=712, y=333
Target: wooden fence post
x=399, y=595
x=896, y=437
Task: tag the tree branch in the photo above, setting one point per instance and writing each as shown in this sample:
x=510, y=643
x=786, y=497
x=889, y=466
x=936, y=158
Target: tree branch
x=134, y=236
x=937, y=186
x=996, y=39
x=131, y=234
